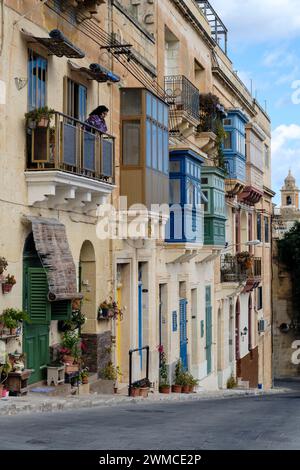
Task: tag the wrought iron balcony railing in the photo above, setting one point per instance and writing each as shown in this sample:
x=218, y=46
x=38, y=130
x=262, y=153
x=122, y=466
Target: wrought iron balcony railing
x=70, y=145
x=234, y=270
x=182, y=95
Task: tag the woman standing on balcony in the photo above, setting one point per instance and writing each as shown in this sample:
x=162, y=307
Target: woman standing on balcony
x=97, y=118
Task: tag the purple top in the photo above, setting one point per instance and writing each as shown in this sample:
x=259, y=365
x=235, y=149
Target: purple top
x=98, y=122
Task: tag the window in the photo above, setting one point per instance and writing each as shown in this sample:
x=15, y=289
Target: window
x=131, y=142
x=206, y=204
x=227, y=122
x=152, y=117
x=267, y=157
x=259, y=298
x=228, y=141
x=190, y=193
x=131, y=102
x=267, y=229
x=259, y=234
x=37, y=81
x=174, y=167
x=76, y=100
x=175, y=192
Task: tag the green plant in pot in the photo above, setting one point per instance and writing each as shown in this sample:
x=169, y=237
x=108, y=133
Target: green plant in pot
x=164, y=385
x=178, y=377
x=12, y=318
x=39, y=117
x=70, y=350
x=84, y=375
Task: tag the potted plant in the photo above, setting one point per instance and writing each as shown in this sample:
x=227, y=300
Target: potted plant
x=3, y=267
x=244, y=259
x=39, y=117
x=164, y=385
x=110, y=309
x=178, y=377
x=8, y=283
x=134, y=390
x=185, y=383
x=12, y=318
x=192, y=382
x=70, y=350
x=84, y=375
x=111, y=372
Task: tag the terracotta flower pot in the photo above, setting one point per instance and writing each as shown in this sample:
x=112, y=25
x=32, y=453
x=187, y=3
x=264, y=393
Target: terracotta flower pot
x=85, y=380
x=13, y=331
x=176, y=388
x=185, y=389
x=135, y=392
x=165, y=389
x=115, y=390
x=43, y=122
x=6, y=288
x=144, y=392
x=191, y=388
x=67, y=359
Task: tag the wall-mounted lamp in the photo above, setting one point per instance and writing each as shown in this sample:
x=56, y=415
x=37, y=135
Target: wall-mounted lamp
x=244, y=332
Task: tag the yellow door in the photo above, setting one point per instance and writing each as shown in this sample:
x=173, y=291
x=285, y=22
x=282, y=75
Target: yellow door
x=118, y=329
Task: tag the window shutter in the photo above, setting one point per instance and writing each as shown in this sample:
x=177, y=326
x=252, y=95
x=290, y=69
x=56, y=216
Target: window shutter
x=61, y=310
x=38, y=304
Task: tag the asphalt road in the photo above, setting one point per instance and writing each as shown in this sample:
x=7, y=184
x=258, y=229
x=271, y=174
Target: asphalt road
x=268, y=422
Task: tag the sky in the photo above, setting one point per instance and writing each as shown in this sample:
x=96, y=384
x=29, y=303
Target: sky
x=264, y=45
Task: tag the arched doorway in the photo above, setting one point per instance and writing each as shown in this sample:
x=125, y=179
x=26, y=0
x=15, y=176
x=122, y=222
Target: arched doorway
x=35, y=303
x=87, y=285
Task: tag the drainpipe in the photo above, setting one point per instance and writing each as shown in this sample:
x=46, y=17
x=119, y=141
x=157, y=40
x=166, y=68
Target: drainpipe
x=2, y=26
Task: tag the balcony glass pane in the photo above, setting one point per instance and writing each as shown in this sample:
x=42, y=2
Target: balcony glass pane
x=154, y=108
x=175, y=192
x=89, y=144
x=131, y=142
x=69, y=144
x=148, y=143
x=154, y=146
x=160, y=112
x=166, y=152
x=131, y=102
x=107, y=157
x=228, y=141
x=174, y=167
x=149, y=104
x=166, y=116
x=160, y=149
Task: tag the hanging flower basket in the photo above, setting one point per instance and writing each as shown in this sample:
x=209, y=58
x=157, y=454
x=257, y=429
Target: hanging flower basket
x=6, y=288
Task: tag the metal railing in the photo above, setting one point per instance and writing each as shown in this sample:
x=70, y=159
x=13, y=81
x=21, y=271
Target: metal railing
x=70, y=145
x=234, y=271
x=182, y=95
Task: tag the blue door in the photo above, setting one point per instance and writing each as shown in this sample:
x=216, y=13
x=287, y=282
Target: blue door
x=208, y=314
x=140, y=322
x=183, y=333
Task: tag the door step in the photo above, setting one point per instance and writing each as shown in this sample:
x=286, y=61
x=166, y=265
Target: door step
x=243, y=384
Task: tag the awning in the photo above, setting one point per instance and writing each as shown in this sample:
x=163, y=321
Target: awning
x=95, y=72
x=53, y=249
x=56, y=44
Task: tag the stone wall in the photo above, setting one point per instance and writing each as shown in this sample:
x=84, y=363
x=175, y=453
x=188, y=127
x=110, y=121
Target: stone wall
x=98, y=351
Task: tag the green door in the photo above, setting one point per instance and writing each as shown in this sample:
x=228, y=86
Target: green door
x=36, y=348
x=36, y=333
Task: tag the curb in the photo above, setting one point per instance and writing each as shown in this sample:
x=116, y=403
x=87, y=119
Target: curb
x=54, y=405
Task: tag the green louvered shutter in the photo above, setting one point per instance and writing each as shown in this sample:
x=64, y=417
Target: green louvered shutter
x=61, y=310
x=38, y=305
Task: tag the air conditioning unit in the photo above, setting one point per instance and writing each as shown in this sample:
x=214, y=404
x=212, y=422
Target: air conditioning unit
x=262, y=326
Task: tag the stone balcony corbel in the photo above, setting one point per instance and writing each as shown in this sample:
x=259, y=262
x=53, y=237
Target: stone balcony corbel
x=206, y=141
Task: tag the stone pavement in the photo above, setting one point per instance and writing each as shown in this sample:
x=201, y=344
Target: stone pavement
x=39, y=404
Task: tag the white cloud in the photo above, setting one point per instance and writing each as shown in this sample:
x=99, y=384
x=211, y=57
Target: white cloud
x=285, y=154
x=260, y=21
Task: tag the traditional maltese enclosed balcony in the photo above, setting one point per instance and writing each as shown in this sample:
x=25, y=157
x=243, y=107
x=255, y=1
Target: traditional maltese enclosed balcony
x=183, y=99
x=242, y=268
x=70, y=165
